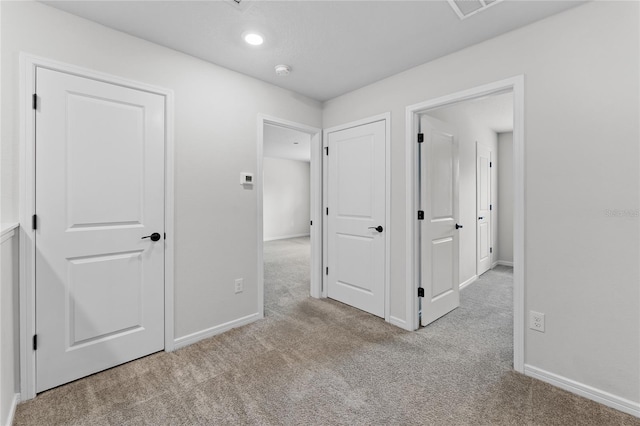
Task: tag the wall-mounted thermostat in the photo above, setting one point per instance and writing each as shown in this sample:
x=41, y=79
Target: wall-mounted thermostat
x=246, y=178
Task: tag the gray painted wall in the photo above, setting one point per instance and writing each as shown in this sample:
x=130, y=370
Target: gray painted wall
x=581, y=136
x=286, y=198
x=215, y=140
x=505, y=197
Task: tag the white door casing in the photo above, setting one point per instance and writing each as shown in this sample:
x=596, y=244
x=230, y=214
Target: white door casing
x=356, y=191
x=439, y=234
x=100, y=158
x=484, y=193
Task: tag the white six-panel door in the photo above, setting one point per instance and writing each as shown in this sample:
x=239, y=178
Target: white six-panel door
x=438, y=234
x=99, y=191
x=483, y=208
x=357, y=206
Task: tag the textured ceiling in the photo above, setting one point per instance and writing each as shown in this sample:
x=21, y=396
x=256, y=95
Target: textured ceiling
x=494, y=112
x=333, y=47
x=280, y=142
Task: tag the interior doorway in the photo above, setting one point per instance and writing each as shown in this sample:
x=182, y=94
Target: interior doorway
x=461, y=110
x=289, y=186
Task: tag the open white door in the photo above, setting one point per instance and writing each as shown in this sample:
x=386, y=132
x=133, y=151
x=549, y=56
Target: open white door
x=100, y=224
x=356, y=216
x=439, y=229
x=484, y=209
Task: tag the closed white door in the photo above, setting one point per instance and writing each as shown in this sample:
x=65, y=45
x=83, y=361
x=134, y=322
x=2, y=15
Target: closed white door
x=99, y=191
x=439, y=234
x=483, y=208
x=356, y=216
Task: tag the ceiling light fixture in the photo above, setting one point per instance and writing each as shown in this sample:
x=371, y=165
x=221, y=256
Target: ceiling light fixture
x=253, y=39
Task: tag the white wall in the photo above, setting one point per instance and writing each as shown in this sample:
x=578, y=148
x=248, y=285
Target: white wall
x=9, y=335
x=581, y=147
x=505, y=197
x=286, y=198
x=470, y=131
x=215, y=140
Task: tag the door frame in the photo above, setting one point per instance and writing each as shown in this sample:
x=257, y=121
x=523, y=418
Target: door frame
x=315, y=208
x=386, y=117
x=27, y=80
x=516, y=86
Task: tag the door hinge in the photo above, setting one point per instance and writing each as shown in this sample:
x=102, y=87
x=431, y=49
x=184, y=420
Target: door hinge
x=490, y=249
x=326, y=271
x=327, y=211
x=326, y=150
x=165, y=235
x=34, y=222
x=420, y=137
x=311, y=223
x=35, y=342
x=490, y=206
x=490, y=163
x=420, y=214
x=420, y=291
x=35, y=101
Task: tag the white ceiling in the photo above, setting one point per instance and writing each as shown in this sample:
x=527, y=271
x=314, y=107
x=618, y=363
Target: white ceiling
x=333, y=47
x=494, y=112
x=280, y=142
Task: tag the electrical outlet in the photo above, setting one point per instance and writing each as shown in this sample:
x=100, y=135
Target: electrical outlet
x=536, y=321
x=239, y=285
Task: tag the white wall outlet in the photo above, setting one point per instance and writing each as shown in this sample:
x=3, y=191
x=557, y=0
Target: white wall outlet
x=536, y=321
x=239, y=285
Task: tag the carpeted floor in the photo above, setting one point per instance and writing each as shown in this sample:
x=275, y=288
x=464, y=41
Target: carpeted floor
x=320, y=362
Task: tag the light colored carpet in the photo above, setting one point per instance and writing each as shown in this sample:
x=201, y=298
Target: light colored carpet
x=320, y=362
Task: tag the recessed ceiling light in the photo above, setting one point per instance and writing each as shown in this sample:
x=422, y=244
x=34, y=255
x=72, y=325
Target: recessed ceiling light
x=253, y=39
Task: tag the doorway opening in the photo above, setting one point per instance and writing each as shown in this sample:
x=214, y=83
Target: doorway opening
x=289, y=187
x=449, y=178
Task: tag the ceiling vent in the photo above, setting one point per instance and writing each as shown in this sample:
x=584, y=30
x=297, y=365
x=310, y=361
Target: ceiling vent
x=467, y=8
x=241, y=5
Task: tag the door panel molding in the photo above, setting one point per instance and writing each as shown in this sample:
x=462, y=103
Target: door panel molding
x=27, y=79
x=386, y=117
x=515, y=85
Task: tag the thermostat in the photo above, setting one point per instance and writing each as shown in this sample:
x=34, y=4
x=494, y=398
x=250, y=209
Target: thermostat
x=246, y=178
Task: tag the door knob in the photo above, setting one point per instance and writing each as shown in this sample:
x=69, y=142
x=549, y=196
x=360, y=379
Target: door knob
x=154, y=237
x=458, y=226
x=377, y=228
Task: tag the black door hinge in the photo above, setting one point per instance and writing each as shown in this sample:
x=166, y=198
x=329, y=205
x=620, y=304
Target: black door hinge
x=35, y=342
x=326, y=271
x=326, y=149
x=327, y=211
x=420, y=291
x=35, y=101
x=420, y=137
x=490, y=206
x=165, y=235
x=420, y=214
x=311, y=223
x=490, y=249
x=490, y=164
x=34, y=222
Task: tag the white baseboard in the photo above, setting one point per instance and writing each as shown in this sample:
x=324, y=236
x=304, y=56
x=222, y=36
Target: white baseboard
x=12, y=411
x=503, y=263
x=399, y=323
x=286, y=237
x=586, y=391
x=192, y=338
x=469, y=281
